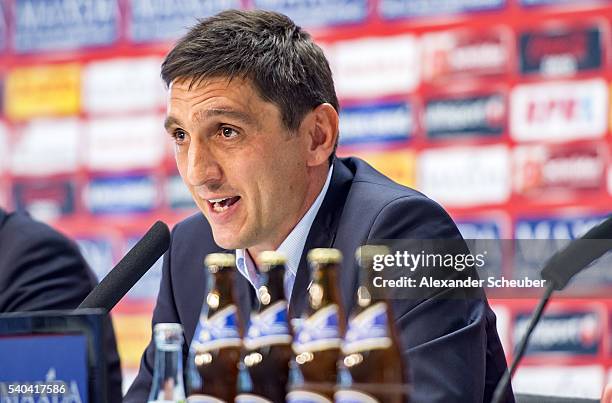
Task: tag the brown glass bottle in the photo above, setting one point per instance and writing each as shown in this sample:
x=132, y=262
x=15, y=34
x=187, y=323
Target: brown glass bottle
x=216, y=345
x=372, y=354
x=267, y=344
x=319, y=335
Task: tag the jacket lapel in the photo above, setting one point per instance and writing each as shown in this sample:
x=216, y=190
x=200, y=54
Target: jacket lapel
x=322, y=233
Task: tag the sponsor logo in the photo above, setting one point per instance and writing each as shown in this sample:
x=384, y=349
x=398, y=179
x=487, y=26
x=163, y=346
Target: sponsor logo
x=572, y=333
x=562, y=380
x=42, y=25
x=52, y=90
x=98, y=252
x=178, y=195
x=122, y=85
x=452, y=54
x=368, y=330
x=382, y=122
x=467, y=116
x=530, y=3
x=45, y=199
x=269, y=327
x=559, y=111
x=122, y=194
x=218, y=331
x=318, y=12
x=560, y=51
x=553, y=234
x=317, y=332
x=46, y=147
x=398, y=165
x=392, y=66
x=391, y=9
x=109, y=149
x=159, y=20
x=541, y=169
x=464, y=176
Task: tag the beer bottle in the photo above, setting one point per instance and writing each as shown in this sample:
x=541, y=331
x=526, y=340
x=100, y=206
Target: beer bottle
x=167, y=386
x=371, y=350
x=216, y=345
x=319, y=335
x=268, y=341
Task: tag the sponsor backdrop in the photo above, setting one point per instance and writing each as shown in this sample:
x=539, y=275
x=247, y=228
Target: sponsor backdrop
x=498, y=109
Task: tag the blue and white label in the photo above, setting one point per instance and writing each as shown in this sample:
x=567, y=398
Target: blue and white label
x=161, y=20
x=318, y=12
x=318, y=332
x=391, y=9
x=250, y=398
x=353, y=396
x=368, y=330
x=204, y=399
x=218, y=331
x=376, y=122
x=269, y=327
x=42, y=25
x=302, y=396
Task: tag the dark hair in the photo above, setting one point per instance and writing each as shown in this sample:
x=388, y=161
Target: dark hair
x=286, y=67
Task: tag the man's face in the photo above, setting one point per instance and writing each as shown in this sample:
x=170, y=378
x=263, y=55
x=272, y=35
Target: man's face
x=246, y=172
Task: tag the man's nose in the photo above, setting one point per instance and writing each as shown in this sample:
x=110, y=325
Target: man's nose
x=202, y=166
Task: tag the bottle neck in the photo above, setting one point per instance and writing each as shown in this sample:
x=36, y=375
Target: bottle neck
x=274, y=282
x=167, y=383
x=223, y=288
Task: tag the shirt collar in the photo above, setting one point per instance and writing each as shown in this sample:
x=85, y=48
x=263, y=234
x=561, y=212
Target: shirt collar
x=293, y=246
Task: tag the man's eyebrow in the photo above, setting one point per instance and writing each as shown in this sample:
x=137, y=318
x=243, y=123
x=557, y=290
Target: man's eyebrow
x=171, y=121
x=232, y=113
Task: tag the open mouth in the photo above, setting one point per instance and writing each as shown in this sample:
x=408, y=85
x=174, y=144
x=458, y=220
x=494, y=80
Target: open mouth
x=222, y=204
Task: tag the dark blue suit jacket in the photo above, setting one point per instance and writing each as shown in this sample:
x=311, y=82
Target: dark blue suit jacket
x=452, y=346
x=42, y=270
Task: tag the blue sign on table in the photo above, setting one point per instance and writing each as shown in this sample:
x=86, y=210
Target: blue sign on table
x=391, y=9
x=33, y=364
x=318, y=12
x=45, y=25
x=160, y=20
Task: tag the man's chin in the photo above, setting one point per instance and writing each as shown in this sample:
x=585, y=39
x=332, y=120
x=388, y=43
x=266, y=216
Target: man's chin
x=227, y=241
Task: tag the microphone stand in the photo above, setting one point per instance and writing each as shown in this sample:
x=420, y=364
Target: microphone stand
x=520, y=350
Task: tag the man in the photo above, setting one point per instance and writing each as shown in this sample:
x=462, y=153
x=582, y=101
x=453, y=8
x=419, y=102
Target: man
x=254, y=117
x=42, y=270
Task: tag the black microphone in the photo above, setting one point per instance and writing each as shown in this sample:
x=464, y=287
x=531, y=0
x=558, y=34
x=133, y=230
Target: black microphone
x=130, y=269
x=557, y=272
x=563, y=265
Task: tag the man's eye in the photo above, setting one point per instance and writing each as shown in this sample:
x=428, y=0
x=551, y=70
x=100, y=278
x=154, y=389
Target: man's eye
x=179, y=136
x=228, y=132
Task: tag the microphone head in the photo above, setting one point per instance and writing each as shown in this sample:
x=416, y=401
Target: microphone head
x=578, y=254
x=130, y=269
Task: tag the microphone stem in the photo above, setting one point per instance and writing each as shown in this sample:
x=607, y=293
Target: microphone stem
x=522, y=346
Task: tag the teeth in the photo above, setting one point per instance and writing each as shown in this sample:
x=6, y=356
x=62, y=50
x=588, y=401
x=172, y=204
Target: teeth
x=218, y=208
x=217, y=200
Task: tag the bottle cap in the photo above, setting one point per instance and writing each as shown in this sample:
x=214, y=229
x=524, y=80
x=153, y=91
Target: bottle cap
x=324, y=255
x=271, y=258
x=365, y=254
x=220, y=260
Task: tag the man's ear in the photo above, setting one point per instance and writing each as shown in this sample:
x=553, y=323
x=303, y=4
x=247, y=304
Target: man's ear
x=322, y=133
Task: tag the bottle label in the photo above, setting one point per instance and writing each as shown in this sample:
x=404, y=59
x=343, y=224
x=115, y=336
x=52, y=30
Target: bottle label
x=249, y=398
x=318, y=332
x=368, y=330
x=204, y=399
x=353, y=396
x=218, y=331
x=268, y=327
x=302, y=396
